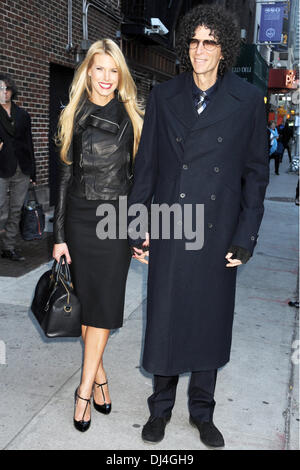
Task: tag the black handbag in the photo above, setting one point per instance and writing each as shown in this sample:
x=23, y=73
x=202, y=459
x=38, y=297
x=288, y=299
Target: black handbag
x=55, y=306
x=32, y=223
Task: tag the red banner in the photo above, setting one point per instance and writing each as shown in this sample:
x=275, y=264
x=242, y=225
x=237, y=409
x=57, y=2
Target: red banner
x=282, y=79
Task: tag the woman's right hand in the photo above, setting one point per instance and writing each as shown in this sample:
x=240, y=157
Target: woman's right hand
x=60, y=249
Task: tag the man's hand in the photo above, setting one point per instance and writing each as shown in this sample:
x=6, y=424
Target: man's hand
x=232, y=262
x=1, y=145
x=139, y=254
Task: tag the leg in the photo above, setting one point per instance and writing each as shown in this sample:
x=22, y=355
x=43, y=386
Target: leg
x=161, y=402
x=19, y=184
x=289, y=152
x=201, y=395
x=95, y=340
x=201, y=407
x=4, y=184
x=100, y=379
x=277, y=161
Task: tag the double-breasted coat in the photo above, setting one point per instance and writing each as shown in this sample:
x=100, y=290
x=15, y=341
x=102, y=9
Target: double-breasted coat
x=218, y=159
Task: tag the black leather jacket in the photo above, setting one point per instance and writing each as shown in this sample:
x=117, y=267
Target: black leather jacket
x=101, y=152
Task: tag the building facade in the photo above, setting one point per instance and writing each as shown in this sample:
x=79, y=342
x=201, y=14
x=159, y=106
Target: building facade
x=42, y=41
x=283, y=62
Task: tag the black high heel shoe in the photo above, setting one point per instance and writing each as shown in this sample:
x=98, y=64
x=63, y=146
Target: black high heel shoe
x=106, y=407
x=81, y=425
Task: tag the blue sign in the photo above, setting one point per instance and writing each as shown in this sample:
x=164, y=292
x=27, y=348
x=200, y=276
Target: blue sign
x=271, y=22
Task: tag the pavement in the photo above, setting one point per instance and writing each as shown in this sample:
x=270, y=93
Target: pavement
x=257, y=393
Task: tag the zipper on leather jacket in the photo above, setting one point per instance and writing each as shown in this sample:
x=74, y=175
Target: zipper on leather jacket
x=81, y=161
x=101, y=119
x=124, y=128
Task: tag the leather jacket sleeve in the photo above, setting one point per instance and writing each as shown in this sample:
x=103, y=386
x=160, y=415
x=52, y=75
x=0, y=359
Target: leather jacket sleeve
x=65, y=177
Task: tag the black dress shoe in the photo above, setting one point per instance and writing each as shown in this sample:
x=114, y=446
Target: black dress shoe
x=209, y=434
x=154, y=429
x=104, y=408
x=81, y=425
x=11, y=254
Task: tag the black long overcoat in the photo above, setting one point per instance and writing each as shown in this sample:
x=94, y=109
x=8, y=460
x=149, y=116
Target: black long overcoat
x=218, y=159
x=18, y=148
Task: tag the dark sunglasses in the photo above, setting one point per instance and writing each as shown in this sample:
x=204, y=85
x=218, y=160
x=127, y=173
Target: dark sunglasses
x=208, y=44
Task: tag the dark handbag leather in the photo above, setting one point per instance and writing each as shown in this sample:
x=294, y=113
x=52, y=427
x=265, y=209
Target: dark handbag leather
x=55, y=306
x=32, y=223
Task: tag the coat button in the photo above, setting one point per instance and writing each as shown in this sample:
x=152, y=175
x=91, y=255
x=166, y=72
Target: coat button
x=216, y=169
x=185, y=167
x=182, y=195
x=220, y=139
x=252, y=238
x=178, y=139
x=213, y=197
x=210, y=225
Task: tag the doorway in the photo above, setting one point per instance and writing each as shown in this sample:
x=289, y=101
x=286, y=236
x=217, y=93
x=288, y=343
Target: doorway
x=60, y=80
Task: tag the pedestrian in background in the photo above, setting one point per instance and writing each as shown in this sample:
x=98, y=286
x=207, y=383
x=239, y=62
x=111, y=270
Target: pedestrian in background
x=99, y=132
x=17, y=166
x=273, y=145
x=287, y=135
x=204, y=141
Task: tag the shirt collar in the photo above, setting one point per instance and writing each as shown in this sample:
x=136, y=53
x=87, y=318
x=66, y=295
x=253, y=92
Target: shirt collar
x=209, y=91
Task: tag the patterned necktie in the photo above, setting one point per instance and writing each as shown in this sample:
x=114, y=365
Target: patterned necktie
x=201, y=105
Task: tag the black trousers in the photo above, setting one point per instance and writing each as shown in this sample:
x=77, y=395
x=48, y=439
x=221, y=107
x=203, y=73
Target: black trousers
x=201, y=392
x=286, y=146
x=276, y=157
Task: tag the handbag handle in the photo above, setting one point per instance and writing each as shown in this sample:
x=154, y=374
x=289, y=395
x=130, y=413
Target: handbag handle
x=59, y=267
x=31, y=188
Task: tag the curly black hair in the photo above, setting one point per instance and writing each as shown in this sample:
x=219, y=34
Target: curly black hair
x=223, y=26
x=9, y=82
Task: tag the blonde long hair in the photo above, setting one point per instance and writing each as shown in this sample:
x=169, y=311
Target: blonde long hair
x=81, y=89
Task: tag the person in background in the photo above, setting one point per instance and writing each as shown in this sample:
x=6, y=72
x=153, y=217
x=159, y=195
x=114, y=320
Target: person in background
x=273, y=145
x=286, y=136
x=17, y=166
x=280, y=147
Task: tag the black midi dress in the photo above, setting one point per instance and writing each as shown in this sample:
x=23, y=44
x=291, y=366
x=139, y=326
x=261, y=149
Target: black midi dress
x=99, y=266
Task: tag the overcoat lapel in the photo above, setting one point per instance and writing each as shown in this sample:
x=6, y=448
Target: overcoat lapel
x=223, y=104
x=181, y=102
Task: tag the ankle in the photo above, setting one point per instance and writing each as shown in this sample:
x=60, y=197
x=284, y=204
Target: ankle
x=84, y=391
x=101, y=378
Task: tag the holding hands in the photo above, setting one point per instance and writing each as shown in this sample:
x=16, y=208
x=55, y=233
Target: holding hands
x=141, y=253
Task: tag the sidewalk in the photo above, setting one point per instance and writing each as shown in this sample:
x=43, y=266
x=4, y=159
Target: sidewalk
x=257, y=392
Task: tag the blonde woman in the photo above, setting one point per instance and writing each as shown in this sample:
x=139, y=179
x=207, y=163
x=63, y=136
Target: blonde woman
x=99, y=132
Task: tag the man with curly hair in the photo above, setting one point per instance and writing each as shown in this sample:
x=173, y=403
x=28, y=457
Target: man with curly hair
x=204, y=141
